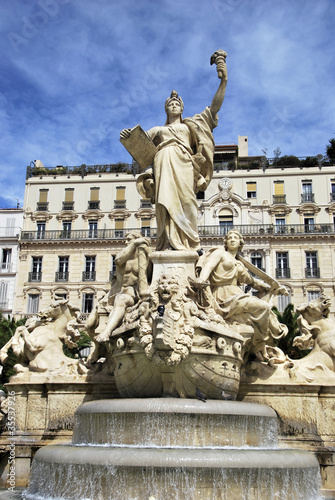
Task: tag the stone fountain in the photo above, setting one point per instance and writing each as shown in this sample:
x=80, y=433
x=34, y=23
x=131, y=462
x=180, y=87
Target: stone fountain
x=175, y=333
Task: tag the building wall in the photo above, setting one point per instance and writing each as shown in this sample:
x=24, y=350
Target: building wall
x=271, y=223
x=10, y=227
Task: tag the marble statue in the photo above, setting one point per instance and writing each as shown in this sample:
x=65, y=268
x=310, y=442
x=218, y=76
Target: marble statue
x=131, y=277
x=182, y=166
x=221, y=271
x=39, y=344
x=317, y=333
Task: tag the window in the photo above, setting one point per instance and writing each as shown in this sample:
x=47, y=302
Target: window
x=307, y=192
x=226, y=221
x=63, y=269
x=92, y=228
x=113, y=268
x=10, y=227
x=200, y=195
x=6, y=262
x=119, y=228
x=332, y=190
x=309, y=223
x=68, y=203
x=87, y=302
x=42, y=203
x=145, y=229
x=94, y=203
x=283, y=301
x=282, y=265
x=257, y=259
x=279, y=194
x=280, y=224
x=313, y=294
x=120, y=201
x=89, y=273
x=312, y=270
x=251, y=189
x=66, y=230
x=41, y=230
x=3, y=295
x=36, y=269
x=33, y=303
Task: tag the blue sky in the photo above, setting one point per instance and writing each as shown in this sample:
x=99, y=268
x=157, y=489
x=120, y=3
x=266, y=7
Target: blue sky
x=73, y=73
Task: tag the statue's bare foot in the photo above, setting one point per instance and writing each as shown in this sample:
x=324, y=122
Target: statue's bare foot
x=102, y=337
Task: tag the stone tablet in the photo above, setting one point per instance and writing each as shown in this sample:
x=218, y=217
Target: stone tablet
x=140, y=146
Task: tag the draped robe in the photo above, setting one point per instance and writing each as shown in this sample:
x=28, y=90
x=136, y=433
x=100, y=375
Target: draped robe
x=183, y=165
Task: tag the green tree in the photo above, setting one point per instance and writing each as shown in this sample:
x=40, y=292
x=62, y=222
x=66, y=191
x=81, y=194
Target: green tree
x=84, y=341
x=289, y=318
x=331, y=150
x=7, y=329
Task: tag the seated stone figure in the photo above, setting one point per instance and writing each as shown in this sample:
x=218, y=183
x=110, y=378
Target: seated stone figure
x=131, y=271
x=224, y=273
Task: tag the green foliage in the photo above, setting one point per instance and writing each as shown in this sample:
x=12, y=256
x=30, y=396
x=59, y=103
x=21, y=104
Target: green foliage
x=331, y=150
x=289, y=318
x=7, y=330
x=84, y=341
x=288, y=160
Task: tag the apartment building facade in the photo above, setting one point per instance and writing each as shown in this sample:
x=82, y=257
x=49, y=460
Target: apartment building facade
x=10, y=228
x=75, y=222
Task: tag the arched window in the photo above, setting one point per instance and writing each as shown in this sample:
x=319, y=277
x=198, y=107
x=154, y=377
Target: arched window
x=226, y=220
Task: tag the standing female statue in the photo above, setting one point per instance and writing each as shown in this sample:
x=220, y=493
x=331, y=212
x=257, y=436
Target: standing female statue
x=182, y=166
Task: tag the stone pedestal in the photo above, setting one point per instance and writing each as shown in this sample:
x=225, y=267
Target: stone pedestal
x=181, y=263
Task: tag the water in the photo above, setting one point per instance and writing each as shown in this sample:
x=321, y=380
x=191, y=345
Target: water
x=163, y=449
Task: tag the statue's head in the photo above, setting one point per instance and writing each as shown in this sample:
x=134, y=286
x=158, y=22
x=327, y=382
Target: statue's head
x=174, y=99
x=235, y=233
x=133, y=235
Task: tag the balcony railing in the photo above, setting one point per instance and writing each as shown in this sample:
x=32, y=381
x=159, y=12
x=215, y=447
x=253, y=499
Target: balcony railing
x=279, y=199
x=88, y=276
x=62, y=276
x=272, y=230
x=307, y=198
x=93, y=205
x=3, y=304
x=119, y=203
x=35, y=276
x=312, y=272
x=283, y=272
x=68, y=205
x=6, y=267
x=42, y=207
x=145, y=204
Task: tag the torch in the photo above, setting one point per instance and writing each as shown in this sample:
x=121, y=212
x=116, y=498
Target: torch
x=219, y=58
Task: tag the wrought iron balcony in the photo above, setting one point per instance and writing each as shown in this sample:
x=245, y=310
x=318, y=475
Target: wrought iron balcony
x=283, y=272
x=279, y=199
x=93, y=205
x=88, y=276
x=35, y=276
x=62, y=276
x=3, y=304
x=307, y=198
x=312, y=272
x=68, y=205
x=120, y=203
x=145, y=204
x=42, y=207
